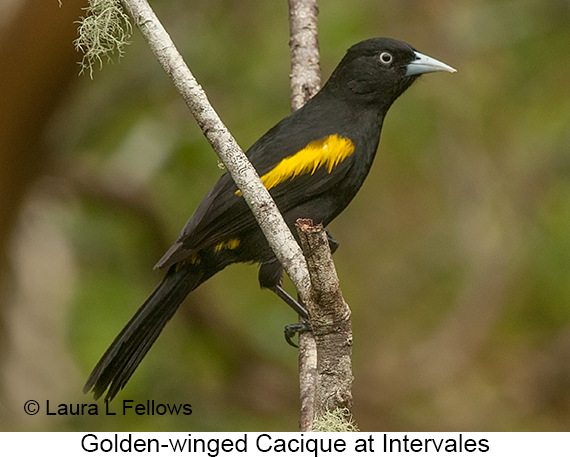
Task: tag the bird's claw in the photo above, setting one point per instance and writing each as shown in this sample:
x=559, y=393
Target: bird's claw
x=291, y=330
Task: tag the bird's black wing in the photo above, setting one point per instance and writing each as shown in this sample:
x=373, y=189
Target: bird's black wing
x=223, y=214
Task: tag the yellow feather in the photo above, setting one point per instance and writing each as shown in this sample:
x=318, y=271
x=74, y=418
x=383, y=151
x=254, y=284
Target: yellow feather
x=232, y=243
x=327, y=152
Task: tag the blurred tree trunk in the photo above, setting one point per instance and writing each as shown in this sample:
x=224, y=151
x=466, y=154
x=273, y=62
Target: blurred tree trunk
x=38, y=63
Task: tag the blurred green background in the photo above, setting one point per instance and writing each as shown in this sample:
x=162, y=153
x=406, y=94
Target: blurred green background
x=454, y=257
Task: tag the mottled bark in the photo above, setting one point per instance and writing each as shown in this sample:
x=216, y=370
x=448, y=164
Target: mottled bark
x=330, y=321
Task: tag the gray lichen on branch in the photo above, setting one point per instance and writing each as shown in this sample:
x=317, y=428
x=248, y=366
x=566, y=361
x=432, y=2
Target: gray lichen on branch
x=103, y=32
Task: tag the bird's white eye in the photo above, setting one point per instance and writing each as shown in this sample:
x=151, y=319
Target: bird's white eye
x=386, y=57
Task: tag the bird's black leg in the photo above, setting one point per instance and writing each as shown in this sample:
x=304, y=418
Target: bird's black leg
x=270, y=277
x=292, y=329
x=294, y=304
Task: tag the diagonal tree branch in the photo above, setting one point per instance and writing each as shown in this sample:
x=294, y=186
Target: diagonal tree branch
x=255, y=194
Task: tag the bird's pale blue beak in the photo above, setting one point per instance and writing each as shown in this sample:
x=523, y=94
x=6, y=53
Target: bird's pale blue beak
x=424, y=64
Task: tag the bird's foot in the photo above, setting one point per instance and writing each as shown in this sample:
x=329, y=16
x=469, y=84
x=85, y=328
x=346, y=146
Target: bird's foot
x=291, y=330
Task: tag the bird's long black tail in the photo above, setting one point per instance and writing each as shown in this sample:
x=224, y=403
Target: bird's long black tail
x=131, y=345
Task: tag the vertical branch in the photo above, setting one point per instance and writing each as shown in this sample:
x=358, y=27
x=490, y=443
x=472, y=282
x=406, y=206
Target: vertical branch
x=305, y=82
x=330, y=320
x=307, y=378
x=304, y=43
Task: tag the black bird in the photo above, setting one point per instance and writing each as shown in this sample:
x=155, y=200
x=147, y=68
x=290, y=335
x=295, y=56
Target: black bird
x=313, y=162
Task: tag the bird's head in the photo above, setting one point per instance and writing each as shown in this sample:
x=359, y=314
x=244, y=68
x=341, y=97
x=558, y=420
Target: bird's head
x=379, y=70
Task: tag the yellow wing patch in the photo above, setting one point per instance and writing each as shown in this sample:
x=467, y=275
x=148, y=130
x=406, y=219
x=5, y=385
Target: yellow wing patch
x=232, y=243
x=194, y=259
x=327, y=152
